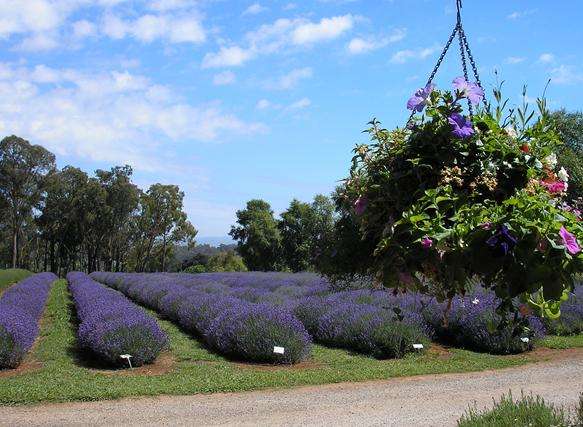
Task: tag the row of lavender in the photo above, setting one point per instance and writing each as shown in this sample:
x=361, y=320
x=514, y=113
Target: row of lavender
x=111, y=327
x=360, y=319
x=21, y=308
x=227, y=299
x=378, y=322
x=231, y=326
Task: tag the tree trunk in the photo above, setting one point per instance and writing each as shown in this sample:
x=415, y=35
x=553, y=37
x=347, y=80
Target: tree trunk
x=14, y=248
x=164, y=253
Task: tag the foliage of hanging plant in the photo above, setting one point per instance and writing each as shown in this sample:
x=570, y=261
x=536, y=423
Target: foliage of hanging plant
x=451, y=198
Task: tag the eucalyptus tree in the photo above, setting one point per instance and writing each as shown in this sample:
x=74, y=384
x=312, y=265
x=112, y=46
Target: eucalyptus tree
x=23, y=169
x=258, y=236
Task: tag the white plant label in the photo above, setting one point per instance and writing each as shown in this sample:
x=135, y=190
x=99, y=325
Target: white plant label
x=525, y=339
x=127, y=357
x=278, y=350
x=418, y=346
x=475, y=301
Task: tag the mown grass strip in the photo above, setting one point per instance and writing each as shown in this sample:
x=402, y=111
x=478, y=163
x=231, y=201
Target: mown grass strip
x=11, y=276
x=193, y=369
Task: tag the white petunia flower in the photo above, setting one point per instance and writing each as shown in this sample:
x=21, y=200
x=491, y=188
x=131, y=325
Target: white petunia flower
x=475, y=301
x=563, y=175
x=538, y=164
x=511, y=132
x=551, y=160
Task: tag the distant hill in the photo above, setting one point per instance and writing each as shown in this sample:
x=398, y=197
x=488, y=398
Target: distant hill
x=214, y=240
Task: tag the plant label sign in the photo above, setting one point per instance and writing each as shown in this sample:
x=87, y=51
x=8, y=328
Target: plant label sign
x=278, y=350
x=418, y=346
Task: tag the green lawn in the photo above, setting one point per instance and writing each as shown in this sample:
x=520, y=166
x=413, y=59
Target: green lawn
x=561, y=343
x=56, y=374
x=12, y=275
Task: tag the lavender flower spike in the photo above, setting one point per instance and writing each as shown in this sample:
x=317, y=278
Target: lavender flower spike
x=472, y=91
x=461, y=126
x=420, y=99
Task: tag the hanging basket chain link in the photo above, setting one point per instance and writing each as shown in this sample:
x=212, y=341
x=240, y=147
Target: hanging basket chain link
x=464, y=50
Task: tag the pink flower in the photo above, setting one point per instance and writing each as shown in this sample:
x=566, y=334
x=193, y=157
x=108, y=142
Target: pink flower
x=554, y=187
x=426, y=242
x=360, y=205
x=569, y=241
x=486, y=226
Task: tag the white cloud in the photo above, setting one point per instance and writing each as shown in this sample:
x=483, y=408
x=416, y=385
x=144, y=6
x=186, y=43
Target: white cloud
x=520, y=14
x=326, y=29
x=83, y=28
x=360, y=45
x=546, y=58
x=227, y=57
x=290, y=6
x=254, y=9
x=404, y=56
x=147, y=28
x=300, y=104
x=224, y=78
x=566, y=75
x=272, y=38
x=115, y=116
x=263, y=104
x=515, y=59
x=38, y=42
x=165, y=5
x=291, y=79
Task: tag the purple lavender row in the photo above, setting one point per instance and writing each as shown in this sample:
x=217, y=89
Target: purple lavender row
x=21, y=307
x=111, y=326
x=233, y=327
x=332, y=318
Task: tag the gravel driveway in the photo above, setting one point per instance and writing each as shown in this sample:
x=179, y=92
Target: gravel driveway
x=415, y=401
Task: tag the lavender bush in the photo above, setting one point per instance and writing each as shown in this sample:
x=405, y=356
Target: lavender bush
x=111, y=325
x=210, y=310
x=21, y=307
x=473, y=323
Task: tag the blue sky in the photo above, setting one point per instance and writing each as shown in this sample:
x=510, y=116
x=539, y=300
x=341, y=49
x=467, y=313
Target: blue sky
x=234, y=100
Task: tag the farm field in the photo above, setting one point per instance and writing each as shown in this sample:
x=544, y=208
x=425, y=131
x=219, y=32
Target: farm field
x=56, y=369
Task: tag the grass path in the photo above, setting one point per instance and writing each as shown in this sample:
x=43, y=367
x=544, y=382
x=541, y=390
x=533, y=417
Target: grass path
x=12, y=275
x=58, y=374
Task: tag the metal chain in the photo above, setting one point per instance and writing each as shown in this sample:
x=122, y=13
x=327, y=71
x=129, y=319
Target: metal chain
x=464, y=49
x=471, y=58
x=436, y=68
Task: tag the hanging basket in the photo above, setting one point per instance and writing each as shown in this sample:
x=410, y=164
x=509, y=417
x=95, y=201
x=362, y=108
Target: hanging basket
x=463, y=193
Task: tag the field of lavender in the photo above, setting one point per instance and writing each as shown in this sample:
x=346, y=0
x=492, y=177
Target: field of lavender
x=191, y=333
x=274, y=317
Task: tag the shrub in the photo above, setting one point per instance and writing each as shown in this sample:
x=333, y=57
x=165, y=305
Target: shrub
x=528, y=411
x=250, y=332
x=474, y=323
x=21, y=307
x=369, y=330
x=193, y=269
x=110, y=325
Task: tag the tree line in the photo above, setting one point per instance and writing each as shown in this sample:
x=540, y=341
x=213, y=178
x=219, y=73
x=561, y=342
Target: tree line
x=60, y=220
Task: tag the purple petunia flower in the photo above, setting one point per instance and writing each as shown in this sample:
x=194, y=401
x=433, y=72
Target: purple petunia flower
x=360, y=205
x=426, y=242
x=472, y=91
x=462, y=127
x=502, y=242
x=419, y=100
x=570, y=241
